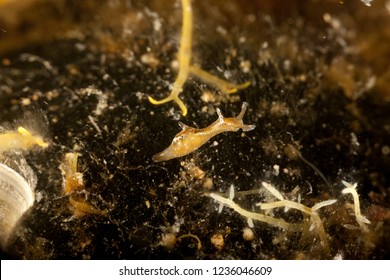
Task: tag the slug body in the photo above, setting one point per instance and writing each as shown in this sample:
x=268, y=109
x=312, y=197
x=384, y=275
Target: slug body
x=190, y=139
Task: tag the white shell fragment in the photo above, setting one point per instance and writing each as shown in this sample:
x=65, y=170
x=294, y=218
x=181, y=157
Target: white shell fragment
x=16, y=196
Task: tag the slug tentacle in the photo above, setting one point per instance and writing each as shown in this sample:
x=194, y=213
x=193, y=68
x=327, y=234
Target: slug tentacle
x=190, y=139
x=183, y=126
x=242, y=113
x=220, y=117
x=239, y=118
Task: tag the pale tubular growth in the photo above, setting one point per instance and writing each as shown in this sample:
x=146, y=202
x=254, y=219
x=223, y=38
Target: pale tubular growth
x=22, y=139
x=312, y=212
x=184, y=57
x=360, y=219
x=190, y=139
x=73, y=180
x=252, y=216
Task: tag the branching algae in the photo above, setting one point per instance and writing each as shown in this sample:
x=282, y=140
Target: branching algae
x=190, y=139
x=251, y=216
x=312, y=225
x=315, y=220
x=360, y=219
x=185, y=67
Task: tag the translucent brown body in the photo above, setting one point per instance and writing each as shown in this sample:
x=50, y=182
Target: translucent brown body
x=190, y=139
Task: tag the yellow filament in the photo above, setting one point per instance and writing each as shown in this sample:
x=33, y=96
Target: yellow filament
x=224, y=86
x=184, y=59
x=185, y=53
